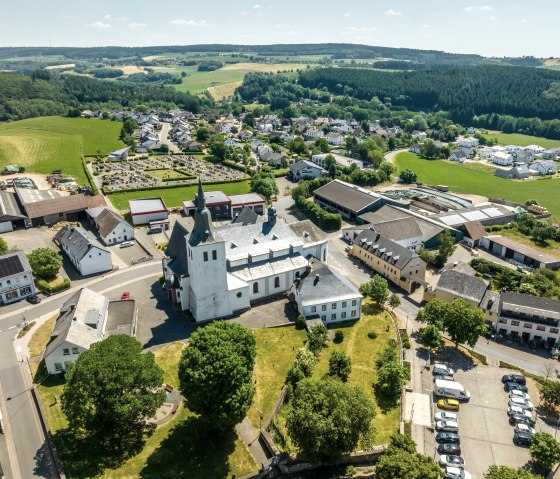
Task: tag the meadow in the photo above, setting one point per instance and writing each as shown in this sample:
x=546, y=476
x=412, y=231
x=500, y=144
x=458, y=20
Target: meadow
x=521, y=140
x=479, y=179
x=48, y=143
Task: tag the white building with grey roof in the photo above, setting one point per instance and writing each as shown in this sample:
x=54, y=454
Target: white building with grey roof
x=84, y=251
x=216, y=272
x=16, y=278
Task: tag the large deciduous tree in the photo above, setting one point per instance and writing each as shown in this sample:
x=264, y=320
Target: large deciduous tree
x=340, y=365
x=463, y=323
x=45, y=263
x=111, y=388
x=545, y=450
x=506, y=472
x=329, y=418
x=377, y=289
x=550, y=394
x=215, y=373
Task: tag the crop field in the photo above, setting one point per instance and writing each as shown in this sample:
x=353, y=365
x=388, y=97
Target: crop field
x=44, y=144
x=479, y=179
x=521, y=140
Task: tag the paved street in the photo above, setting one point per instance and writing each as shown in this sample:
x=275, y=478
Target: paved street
x=163, y=138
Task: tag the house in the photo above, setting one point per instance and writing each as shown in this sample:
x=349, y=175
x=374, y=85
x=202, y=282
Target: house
x=456, y=283
x=535, y=149
x=503, y=159
x=120, y=155
x=344, y=161
x=486, y=152
x=400, y=265
x=84, y=319
x=473, y=232
x=227, y=268
x=222, y=206
x=148, y=210
x=231, y=143
x=468, y=142
x=324, y=293
x=403, y=231
x=16, y=278
x=519, y=253
x=458, y=155
x=314, y=133
x=112, y=228
x=518, y=172
x=255, y=144
x=524, y=156
x=470, y=152
x=335, y=139
x=415, y=148
x=304, y=170
x=529, y=318
x=419, y=135
x=193, y=146
x=544, y=167
x=245, y=135
x=550, y=155
x=84, y=251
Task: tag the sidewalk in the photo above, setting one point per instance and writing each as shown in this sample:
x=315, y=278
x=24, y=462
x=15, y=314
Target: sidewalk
x=251, y=439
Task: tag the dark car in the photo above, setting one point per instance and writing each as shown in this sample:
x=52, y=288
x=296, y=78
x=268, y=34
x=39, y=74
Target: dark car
x=449, y=449
x=522, y=438
x=521, y=419
x=33, y=299
x=510, y=386
x=448, y=437
x=514, y=378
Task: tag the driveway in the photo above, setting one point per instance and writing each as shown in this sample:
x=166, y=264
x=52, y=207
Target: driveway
x=164, y=138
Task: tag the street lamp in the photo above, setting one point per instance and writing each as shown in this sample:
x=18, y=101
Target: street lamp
x=260, y=420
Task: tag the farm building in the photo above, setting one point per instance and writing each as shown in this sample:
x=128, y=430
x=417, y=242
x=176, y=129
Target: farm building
x=148, y=210
x=112, y=228
x=519, y=253
x=10, y=212
x=488, y=215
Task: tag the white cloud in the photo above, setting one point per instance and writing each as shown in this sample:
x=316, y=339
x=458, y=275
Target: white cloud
x=137, y=25
x=478, y=8
x=362, y=29
x=188, y=23
x=159, y=35
x=392, y=12
x=348, y=14
x=116, y=19
x=108, y=17
x=244, y=12
x=290, y=32
x=425, y=26
x=256, y=6
x=100, y=25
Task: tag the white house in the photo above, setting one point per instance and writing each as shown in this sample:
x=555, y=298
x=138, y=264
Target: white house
x=84, y=319
x=231, y=143
x=112, y=228
x=216, y=272
x=120, y=155
x=314, y=133
x=544, y=167
x=148, y=210
x=486, y=152
x=468, y=142
x=84, y=251
x=304, y=170
x=343, y=161
x=16, y=278
x=335, y=139
x=419, y=135
x=323, y=293
x=536, y=149
x=513, y=148
x=458, y=155
x=503, y=159
x=415, y=148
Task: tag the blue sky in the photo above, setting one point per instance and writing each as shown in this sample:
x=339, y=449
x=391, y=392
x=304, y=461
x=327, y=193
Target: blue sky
x=487, y=27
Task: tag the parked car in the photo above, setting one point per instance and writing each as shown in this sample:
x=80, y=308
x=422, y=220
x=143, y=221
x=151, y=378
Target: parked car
x=521, y=419
x=33, y=299
x=451, y=404
x=514, y=378
x=451, y=460
x=126, y=244
x=515, y=393
x=523, y=403
x=447, y=448
x=445, y=377
x=524, y=428
x=522, y=439
x=448, y=437
x=452, y=472
x=125, y=296
x=442, y=369
x=450, y=426
x=446, y=416
x=515, y=387
x=519, y=410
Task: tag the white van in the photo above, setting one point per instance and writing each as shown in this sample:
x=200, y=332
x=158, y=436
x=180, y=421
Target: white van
x=451, y=389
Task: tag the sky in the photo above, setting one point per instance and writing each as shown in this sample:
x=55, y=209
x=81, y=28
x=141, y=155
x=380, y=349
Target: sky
x=487, y=27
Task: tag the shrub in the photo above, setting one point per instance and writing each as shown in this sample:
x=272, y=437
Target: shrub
x=338, y=336
x=372, y=335
x=46, y=287
x=406, y=343
x=301, y=322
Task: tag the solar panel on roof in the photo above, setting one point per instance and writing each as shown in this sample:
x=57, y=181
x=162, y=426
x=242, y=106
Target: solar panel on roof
x=452, y=220
x=474, y=215
x=10, y=266
x=493, y=212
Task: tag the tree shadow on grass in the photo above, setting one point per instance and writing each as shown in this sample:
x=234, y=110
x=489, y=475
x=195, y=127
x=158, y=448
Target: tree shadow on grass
x=190, y=451
x=371, y=309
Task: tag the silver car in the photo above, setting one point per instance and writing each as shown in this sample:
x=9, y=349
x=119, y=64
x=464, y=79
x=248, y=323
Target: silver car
x=448, y=426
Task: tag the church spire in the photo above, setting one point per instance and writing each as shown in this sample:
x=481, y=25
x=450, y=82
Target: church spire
x=203, y=230
x=200, y=200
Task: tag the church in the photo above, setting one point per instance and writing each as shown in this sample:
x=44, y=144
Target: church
x=216, y=272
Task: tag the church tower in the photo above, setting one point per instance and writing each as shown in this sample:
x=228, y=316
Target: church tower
x=206, y=256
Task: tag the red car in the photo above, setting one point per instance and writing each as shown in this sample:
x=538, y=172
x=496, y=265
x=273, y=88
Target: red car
x=125, y=296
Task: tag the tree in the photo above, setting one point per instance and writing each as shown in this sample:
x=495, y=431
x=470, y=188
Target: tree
x=545, y=450
x=332, y=171
x=301, y=322
x=431, y=337
x=218, y=149
x=391, y=378
x=128, y=127
x=216, y=373
x=550, y=394
x=323, y=145
x=340, y=365
x=264, y=184
x=329, y=418
x=408, y=176
x=394, y=301
x=305, y=361
x=446, y=248
x=45, y=262
x=3, y=246
x=463, y=323
x=317, y=338
x=433, y=313
x=111, y=388
x=164, y=148
x=506, y=472
x=399, y=463
x=377, y=289
x=202, y=134
x=402, y=442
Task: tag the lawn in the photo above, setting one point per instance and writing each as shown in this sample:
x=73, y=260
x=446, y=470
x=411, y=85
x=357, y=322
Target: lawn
x=167, y=174
x=176, y=196
x=48, y=143
x=521, y=140
x=478, y=179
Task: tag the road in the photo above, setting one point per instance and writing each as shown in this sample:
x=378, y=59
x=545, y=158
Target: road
x=25, y=440
x=391, y=155
x=164, y=138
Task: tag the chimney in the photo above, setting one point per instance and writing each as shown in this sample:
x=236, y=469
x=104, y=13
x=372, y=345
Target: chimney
x=272, y=215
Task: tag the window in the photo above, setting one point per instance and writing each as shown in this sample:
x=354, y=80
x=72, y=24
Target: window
x=343, y=315
x=554, y=330
x=297, y=274
x=58, y=366
x=66, y=352
x=11, y=295
x=502, y=320
x=333, y=316
x=354, y=302
x=527, y=325
x=313, y=309
x=323, y=307
x=333, y=306
x=239, y=294
x=353, y=313
x=205, y=255
x=255, y=288
x=277, y=282
x=25, y=291
x=214, y=255
x=541, y=328
x=344, y=303
x=75, y=351
x=515, y=323
x=323, y=317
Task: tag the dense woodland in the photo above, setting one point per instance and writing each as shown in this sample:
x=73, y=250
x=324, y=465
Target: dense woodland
x=44, y=93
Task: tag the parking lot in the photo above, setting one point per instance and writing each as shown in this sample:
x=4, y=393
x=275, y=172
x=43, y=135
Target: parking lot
x=486, y=435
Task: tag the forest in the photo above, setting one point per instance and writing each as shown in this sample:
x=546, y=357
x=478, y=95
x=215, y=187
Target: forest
x=45, y=93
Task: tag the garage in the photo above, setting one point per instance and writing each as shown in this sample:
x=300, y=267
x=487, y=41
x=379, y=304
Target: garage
x=11, y=215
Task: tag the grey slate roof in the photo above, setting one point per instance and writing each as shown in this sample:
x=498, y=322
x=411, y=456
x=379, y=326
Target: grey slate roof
x=307, y=231
x=107, y=221
x=246, y=217
x=303, y=164
x=78, y=241
x=350, y=196
x=517, y=302
x=385, y=248
x=9, y=208
x=462, y=285
x=177, y=248
x=398, y=229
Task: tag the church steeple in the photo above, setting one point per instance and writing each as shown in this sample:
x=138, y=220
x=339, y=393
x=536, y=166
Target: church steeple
x=200, y=200
x=203, y=230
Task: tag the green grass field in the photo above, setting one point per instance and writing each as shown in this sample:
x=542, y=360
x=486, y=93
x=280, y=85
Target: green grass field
x=176, y=196
x=479, y=179
x=48, y=143
x=521, y=140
